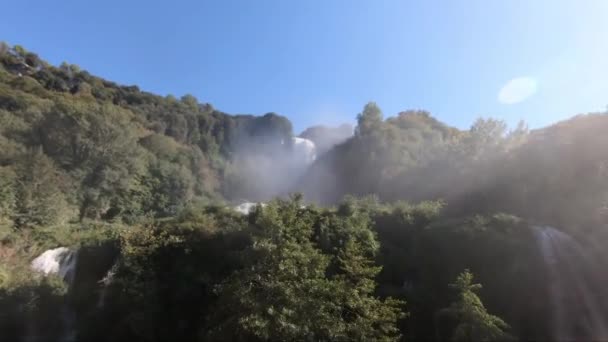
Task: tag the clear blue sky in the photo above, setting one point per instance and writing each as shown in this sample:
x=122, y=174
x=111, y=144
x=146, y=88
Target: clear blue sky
x=320, y=61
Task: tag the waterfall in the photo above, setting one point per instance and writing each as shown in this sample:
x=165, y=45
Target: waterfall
x=574, y=287
x=304, y=150
x=105, y=282
x=61, y=261
x=246, y=207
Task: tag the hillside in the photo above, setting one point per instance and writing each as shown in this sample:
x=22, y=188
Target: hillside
x=117, y=221
x=554, y=174
x=108, y=145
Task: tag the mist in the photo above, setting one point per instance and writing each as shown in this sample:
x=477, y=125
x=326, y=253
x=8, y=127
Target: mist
x=266, y=171
x=126, y=215
x=270, y=163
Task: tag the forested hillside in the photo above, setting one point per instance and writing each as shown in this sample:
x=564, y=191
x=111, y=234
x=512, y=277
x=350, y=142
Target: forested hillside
x=114, y=151
x=403, y=228
x=554, y=175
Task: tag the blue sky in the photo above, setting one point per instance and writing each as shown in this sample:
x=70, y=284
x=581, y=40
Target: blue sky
x=320, y=61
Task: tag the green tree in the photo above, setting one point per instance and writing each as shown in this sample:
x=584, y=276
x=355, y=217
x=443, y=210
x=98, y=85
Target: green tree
x=83, y=89
x=40, y=199
x=98, y=145
x=170, y=186
x=190, y=101
x=486, y=138
x=474, y=323
x=369, y=120
x=32, y=60
x=8, y=185
x=165, y=279
x=283, y=293
x=366, y=317
x=289, y=292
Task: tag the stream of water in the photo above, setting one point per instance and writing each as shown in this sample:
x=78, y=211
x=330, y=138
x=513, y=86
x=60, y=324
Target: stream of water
x=575, y=287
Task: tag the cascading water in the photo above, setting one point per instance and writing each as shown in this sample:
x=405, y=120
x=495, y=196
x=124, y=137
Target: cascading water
x=575, y=288
x=61, y=261
x=105, y=282
x=305, y=150
x=246, y=207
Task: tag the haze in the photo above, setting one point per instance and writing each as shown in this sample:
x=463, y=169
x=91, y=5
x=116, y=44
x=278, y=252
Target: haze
x=303, y=171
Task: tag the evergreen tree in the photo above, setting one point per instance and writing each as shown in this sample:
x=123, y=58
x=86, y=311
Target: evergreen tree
x=366, y=317
x=474, y=323
x=285, y=293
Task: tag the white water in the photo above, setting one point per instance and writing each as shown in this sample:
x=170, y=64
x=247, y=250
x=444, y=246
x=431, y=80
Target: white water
x=577, y=310
x=61, y=261
x=246, y=207
x=105, y=282
x=304, y=150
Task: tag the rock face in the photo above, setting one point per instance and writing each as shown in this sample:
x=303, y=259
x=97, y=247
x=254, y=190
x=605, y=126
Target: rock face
x=61, y=261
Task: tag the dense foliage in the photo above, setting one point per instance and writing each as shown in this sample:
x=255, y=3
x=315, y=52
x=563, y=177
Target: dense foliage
x=554, y=175
x=139, y=185
x=115, y=152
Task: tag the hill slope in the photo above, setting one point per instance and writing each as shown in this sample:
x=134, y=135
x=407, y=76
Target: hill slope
x=115, y=151
x=124, y=191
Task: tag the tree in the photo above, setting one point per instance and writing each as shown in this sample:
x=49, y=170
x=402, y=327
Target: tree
x=4, y=48
x=486, y=138
x=40, y=199
x=83, y=89
x=518, y=136
x=290, y=291
x=98, y=144
x=7, y=197
x=367, y=318
x=369, y=120
x=282, y=293
x=170, y=186
x=32, y=60
x=190, y=101
x=474, y=323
